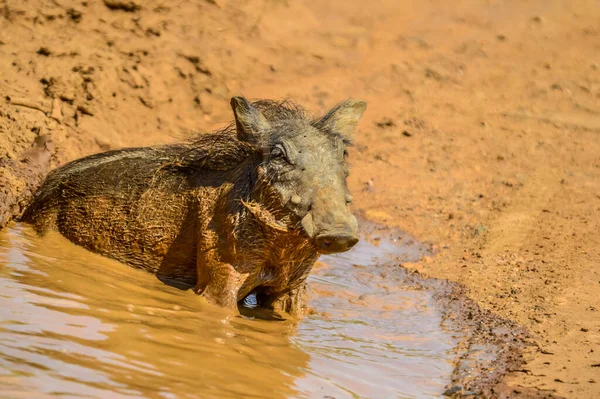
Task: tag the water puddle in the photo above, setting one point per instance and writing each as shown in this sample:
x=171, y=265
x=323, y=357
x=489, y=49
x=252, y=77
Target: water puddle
x=74, y=324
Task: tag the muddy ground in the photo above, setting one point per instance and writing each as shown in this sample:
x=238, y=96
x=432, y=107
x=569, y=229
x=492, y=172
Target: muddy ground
x=482, y=135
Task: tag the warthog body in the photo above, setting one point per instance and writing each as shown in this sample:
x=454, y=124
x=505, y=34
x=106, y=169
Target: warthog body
x=245, y=209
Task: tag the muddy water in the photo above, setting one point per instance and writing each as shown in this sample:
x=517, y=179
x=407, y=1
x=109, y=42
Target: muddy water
x=74, y=324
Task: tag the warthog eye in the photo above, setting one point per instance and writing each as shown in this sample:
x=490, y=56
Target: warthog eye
x=278, y=154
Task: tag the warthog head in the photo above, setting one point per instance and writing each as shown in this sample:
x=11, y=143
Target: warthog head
x=304, y=162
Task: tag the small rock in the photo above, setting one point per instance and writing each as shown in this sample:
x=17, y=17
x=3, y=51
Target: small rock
x=74, y=15
x=85, y=110
x=122, y=5
x=451, y=391
x=44, y=51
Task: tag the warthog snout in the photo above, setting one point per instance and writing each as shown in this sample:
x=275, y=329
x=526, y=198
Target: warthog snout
x=336, y=242
x=329, y=222
x=332, y=237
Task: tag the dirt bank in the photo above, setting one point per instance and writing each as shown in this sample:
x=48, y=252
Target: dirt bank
x=482, y=134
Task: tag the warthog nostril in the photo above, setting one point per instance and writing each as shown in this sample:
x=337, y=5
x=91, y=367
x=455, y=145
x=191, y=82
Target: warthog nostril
x=332, y=243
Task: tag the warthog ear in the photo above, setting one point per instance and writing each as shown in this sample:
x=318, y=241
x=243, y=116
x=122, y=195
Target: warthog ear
x=250, y=122
x=342, y=119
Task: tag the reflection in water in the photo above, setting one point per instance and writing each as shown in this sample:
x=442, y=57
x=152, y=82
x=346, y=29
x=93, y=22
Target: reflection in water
x=75, y=324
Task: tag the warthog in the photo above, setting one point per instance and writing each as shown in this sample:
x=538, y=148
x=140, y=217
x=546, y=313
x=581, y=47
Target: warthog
x=247, y=209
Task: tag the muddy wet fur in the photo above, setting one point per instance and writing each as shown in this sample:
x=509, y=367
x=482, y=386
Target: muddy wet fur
x=247, y=209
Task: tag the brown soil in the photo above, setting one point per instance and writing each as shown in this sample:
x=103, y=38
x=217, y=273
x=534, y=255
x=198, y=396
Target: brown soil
x=482, y=134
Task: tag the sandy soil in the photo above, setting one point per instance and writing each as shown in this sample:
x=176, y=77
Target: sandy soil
x=482, y=134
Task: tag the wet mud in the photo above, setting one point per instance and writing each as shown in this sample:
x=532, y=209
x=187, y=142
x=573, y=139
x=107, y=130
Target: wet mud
x=96, y=327
x=76, y=323
x=487, y=347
